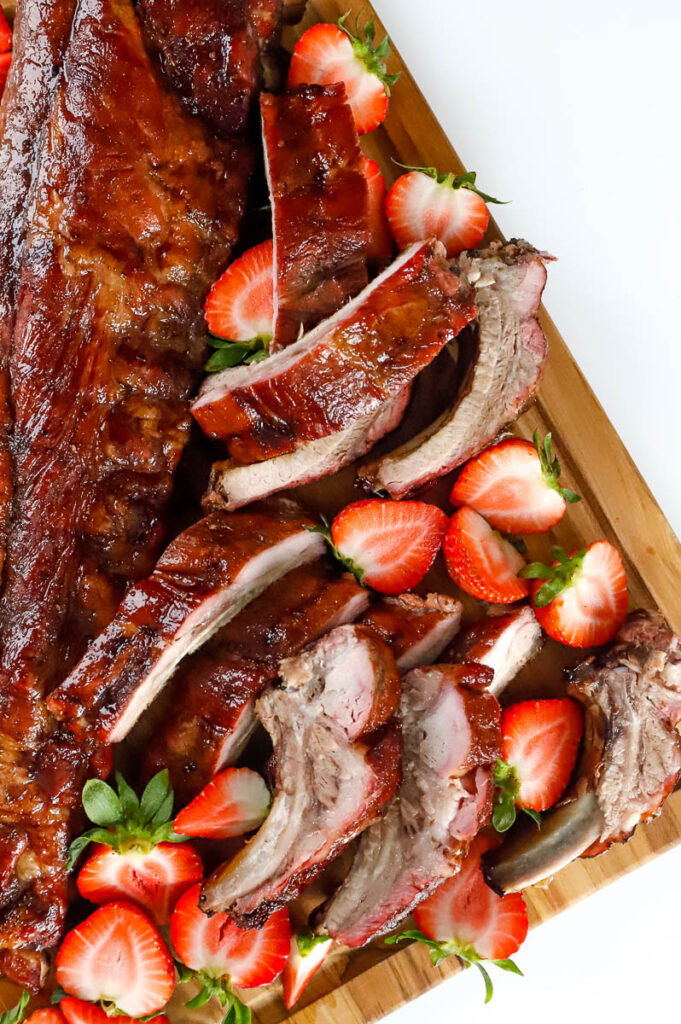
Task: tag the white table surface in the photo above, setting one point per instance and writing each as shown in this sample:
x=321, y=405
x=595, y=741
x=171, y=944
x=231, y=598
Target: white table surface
x=572, y=111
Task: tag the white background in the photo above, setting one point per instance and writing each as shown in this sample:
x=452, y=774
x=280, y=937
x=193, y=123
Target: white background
x=572, y=110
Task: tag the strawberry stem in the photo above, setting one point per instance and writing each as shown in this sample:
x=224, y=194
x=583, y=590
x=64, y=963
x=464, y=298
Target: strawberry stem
x=373, y=57
x=550, y=468
x=564, y=573
x=347, y=563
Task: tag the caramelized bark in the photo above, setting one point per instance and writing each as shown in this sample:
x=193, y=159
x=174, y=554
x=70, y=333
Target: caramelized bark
x=417, y=630
x=344, y=369
x=211, y=711
x=135, y=208
x=319, y=206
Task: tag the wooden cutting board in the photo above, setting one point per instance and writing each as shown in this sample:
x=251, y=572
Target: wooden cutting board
x=363, y=986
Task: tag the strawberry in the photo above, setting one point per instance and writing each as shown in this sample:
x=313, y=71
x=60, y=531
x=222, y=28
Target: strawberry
x=47, y=1015
x=308, y=953
x=44, y=1015
x=389, y=545
x=540, y=744
x=117, y=956
x=135, y=859
x=5, y=33
x=239, y=309
x=514, y=485
x=236, y=801
x=325, y=54
x=481, y=562
x=218, y=954
x=5, y=61
x=584, y=599
x=380, y=248
x=77, y=1011
x=465, y=918
x=450, y=207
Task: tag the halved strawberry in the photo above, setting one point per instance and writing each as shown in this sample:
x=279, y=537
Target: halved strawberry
x=45, y=1015
x=308, y=953
x=325, y=54
x=236, y=801
x=77, y=1011
x=540, y=744
x=5, y=33
x=583, y=600
x=135, y=858
x=514, y=485
x=153, y=878
x=219, y=954
x=426, y=204
x=464, y=918
x=240, y=309
x=117, y=957
x=380, y=247
x=5, y=61
x=389, y=545
x=481, y=562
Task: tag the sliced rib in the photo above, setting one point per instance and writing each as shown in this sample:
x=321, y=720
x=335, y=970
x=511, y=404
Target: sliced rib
x=202, y=580
x=348, y=367
x=503, y=376
x=211, y=711
x=452, y=739
x=318, y=192
x=504, y=642
x=631, y=756
x=418, y=630
x=233, y=485
x=337, y=753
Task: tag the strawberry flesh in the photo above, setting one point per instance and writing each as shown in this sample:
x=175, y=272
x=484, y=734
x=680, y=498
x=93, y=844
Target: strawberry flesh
x=306, y=956
x=481, y=562
x=240, y=305
x=420, y=205
x=235, y=802
x=540, y=741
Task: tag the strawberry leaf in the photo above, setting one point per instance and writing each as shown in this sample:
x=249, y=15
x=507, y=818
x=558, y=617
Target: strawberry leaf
x=306, y=941
x=238, y=1012
x=373, y=57
x=102, y=836
x=230, y=353
x=101, y=803
x=16, y=1014
x=128, y=798
x=534, y=815
x=156, y=805
x=489, y=987
x=506, y=789
x=562, y=574
x=57, y=995
x=347, y=563
x=508, y=965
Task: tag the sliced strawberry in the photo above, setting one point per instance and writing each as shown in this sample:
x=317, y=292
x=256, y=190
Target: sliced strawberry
x=77, y=1011
x=214, y=948
x=540, y=744
x=135, y=858
x=389, y=545
x=240, y=308
x=236, y=801
x=481, y=562
x=5, y=61
x=308, y=953
x=325, y=54
x=380, y=248
x=514, y=485
x=45, y=1015
x=583, y=600
x=117, y=956
x=153, y=878
x=426, y=204
x=5, y=33
x=464, y=918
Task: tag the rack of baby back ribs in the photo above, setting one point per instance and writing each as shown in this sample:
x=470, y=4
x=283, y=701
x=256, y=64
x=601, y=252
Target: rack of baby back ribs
x=316, y=754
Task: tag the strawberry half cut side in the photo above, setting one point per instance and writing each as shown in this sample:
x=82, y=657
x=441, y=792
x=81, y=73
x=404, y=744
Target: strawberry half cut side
x=426, y=204
x=234, y=802
x=514, y=485
x=482, y=562
x=308, y=953
x=117, y=957
x=388, y=545
x=239, y=310
x=581, y=599
x=326, y=54
x=137, y=858
x=466, y=919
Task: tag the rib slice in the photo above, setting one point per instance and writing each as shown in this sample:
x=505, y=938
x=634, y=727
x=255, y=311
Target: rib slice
x=631, y=755
x=337, y=753
x=233, y=485
x=203, y=579
x=504, y=642
x=315, y=171
x=211, y=712
x=347, y=368
x=417, y=629
x=452, y=739
x=503, y=376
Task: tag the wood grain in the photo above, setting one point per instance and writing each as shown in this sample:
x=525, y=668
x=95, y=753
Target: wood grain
x=364, y=985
